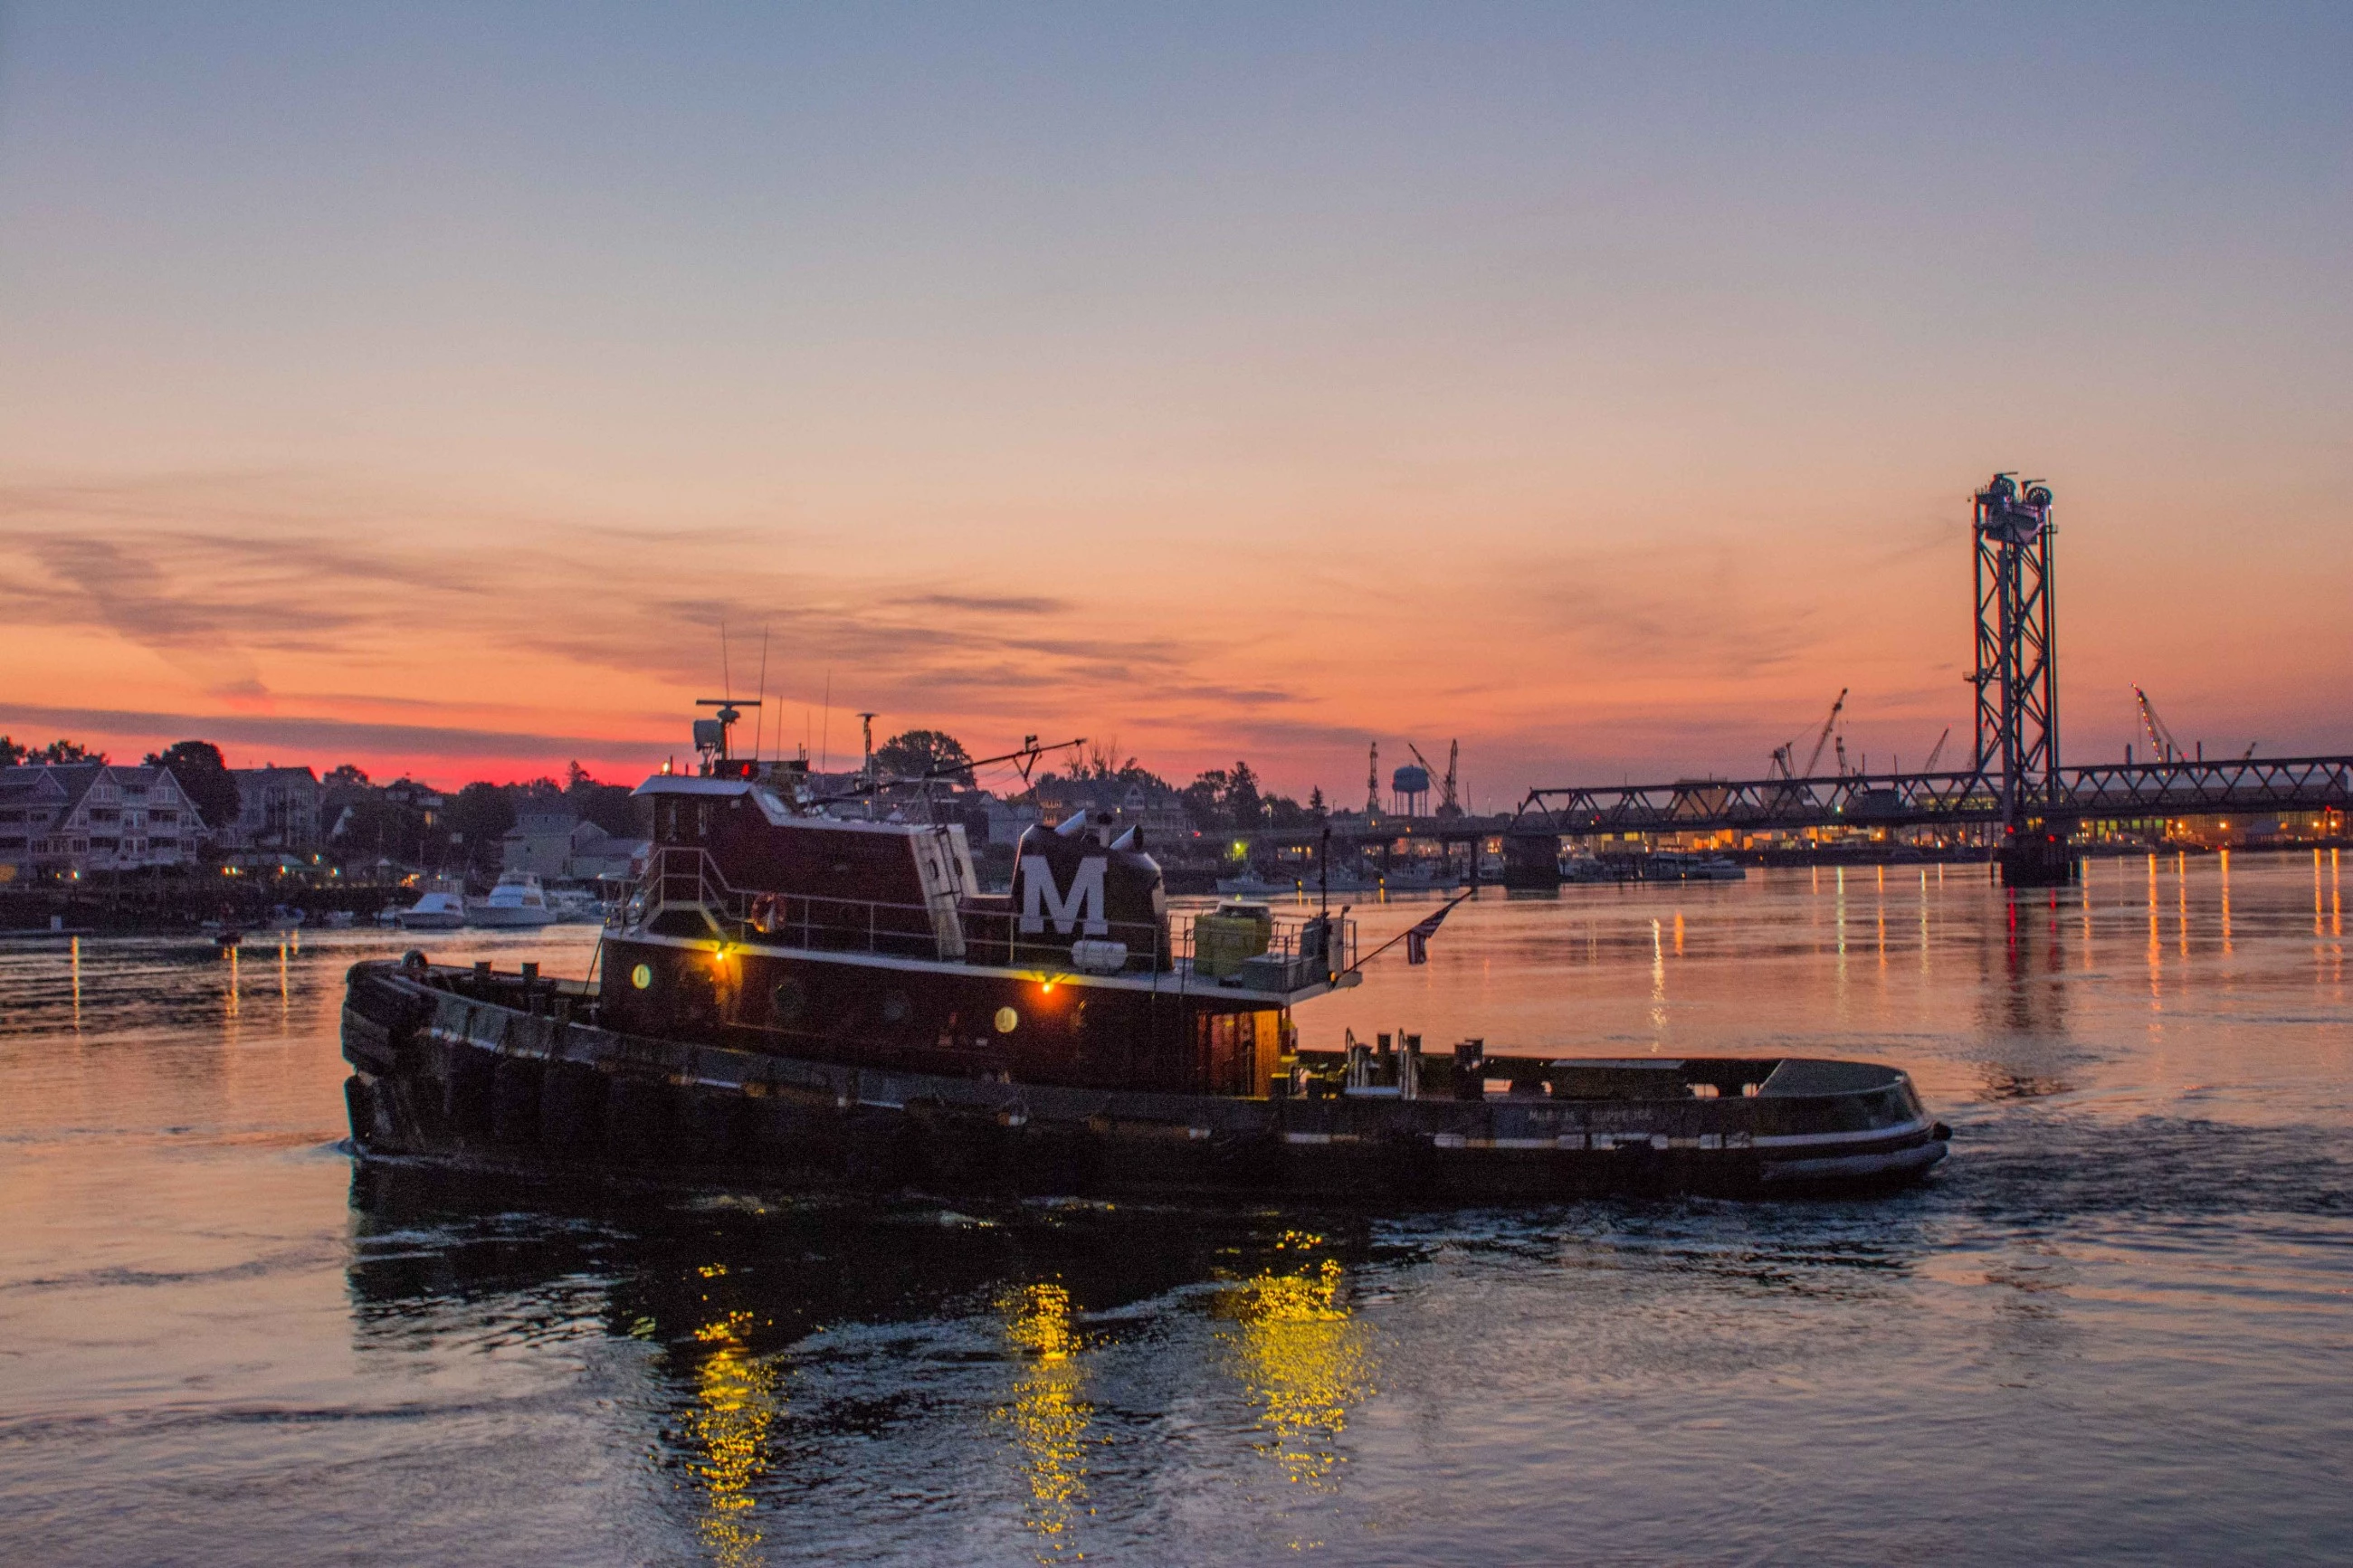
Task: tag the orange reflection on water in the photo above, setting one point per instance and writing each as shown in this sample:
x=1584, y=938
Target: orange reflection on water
x=736, y=1403
x=1305, y=1360
x=1049, y=1416
x=2226, y=901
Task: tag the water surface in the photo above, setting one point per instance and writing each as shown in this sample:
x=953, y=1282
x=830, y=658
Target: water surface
x=2114, y=1328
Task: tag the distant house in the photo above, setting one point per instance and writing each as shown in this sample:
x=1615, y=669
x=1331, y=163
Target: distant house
x=556, y=846
x=68, y=819
x=410, y=795
x=1156, y=807
x=277, y=808
x=542, y=841
x=603, y=858
x=1002, y=821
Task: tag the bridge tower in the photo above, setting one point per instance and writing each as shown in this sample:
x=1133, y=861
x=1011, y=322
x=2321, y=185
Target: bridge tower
x=2016, y=676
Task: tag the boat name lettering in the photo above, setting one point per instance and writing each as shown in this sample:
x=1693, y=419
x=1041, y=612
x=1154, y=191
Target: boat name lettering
x=1041, y=900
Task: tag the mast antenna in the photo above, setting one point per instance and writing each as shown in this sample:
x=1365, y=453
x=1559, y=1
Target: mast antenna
x=759, y=729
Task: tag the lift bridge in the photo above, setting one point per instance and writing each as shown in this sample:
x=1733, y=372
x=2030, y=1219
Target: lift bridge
x=2014, y=781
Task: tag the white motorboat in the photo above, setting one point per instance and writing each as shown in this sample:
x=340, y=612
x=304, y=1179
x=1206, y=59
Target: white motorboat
x=517, y=903
x=575, y=904
x=439, y=909
x=1254, y=886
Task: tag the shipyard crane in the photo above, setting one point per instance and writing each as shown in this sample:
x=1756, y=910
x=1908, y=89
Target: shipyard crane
x=1783, y=755
x=1937, y=751
x=2168, y=749
x=1446, y=805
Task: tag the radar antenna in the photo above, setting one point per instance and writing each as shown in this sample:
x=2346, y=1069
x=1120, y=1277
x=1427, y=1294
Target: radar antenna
x=711, y=735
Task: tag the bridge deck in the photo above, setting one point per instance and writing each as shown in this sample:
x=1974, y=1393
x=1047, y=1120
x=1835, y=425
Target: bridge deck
x=2127, y=791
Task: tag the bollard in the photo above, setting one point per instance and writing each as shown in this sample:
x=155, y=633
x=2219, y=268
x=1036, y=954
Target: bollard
x=1470, y=1069
x=482, y=971
x=530, y=972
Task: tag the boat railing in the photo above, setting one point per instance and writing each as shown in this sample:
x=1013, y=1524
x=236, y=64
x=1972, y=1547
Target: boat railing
x=1298, y=950
x=688, y=877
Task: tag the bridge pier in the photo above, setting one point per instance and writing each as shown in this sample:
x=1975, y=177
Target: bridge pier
x=2037, y=855
x=1531, y=860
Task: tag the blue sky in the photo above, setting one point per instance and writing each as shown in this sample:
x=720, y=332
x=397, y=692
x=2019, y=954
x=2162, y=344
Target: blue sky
x=1602, y=385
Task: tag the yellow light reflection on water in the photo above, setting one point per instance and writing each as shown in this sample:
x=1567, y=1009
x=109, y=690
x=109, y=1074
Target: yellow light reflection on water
x=736, y=1405
x=1305, y=1360
x=1047, y=1416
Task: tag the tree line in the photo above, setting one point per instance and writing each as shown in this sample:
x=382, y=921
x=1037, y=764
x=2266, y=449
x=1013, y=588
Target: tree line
x=472, y=820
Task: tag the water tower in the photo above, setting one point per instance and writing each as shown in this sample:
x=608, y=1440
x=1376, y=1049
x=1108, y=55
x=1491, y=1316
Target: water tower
x=1409, y=785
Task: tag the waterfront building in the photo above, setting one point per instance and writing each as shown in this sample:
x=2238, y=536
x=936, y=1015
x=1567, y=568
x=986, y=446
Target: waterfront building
x=1000, y=821
x=66, y=820
x=277, y=808
x=556, y=846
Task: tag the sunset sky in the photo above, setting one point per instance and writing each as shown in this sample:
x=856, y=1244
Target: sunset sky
x=424, y=386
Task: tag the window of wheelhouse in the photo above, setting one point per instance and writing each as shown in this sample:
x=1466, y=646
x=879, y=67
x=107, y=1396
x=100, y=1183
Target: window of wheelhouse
x=681, y=819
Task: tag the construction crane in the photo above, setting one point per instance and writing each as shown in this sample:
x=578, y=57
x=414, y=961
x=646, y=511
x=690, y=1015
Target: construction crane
x=1937, y=751
x=1448, y=803
x=1784, y=754
x=2168, y=749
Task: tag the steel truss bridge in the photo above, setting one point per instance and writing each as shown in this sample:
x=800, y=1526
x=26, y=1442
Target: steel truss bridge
x=2014, y=777
x=2123, y=791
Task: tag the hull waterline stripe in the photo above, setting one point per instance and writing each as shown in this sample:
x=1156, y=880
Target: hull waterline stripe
x=1796, y=1140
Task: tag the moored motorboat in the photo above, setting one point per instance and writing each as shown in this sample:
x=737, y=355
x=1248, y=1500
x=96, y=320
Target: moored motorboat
x=1677, y=866
x=516, y=903
x=1252, y=885
x=792, y=997
x=438, y=910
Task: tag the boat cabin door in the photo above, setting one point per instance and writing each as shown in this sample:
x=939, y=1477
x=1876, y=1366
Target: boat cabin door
x=1236, y=1052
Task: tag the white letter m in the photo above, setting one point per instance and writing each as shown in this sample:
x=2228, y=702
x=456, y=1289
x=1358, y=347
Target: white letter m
x=1042, y=902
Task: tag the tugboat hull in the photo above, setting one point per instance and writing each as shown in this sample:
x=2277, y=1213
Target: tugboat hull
x=504, y=1073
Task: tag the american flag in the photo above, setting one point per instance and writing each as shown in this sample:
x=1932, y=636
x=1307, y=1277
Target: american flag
x=1417, y=941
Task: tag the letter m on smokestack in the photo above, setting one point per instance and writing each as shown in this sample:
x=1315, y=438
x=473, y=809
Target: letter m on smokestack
x=1043, y=900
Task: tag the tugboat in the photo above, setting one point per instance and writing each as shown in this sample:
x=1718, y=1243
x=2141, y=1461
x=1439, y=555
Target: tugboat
x=797, y=998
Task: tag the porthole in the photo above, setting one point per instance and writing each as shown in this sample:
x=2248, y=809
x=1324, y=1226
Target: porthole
x=895, y=1008
x=642, y=976
x=1008, y=1020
